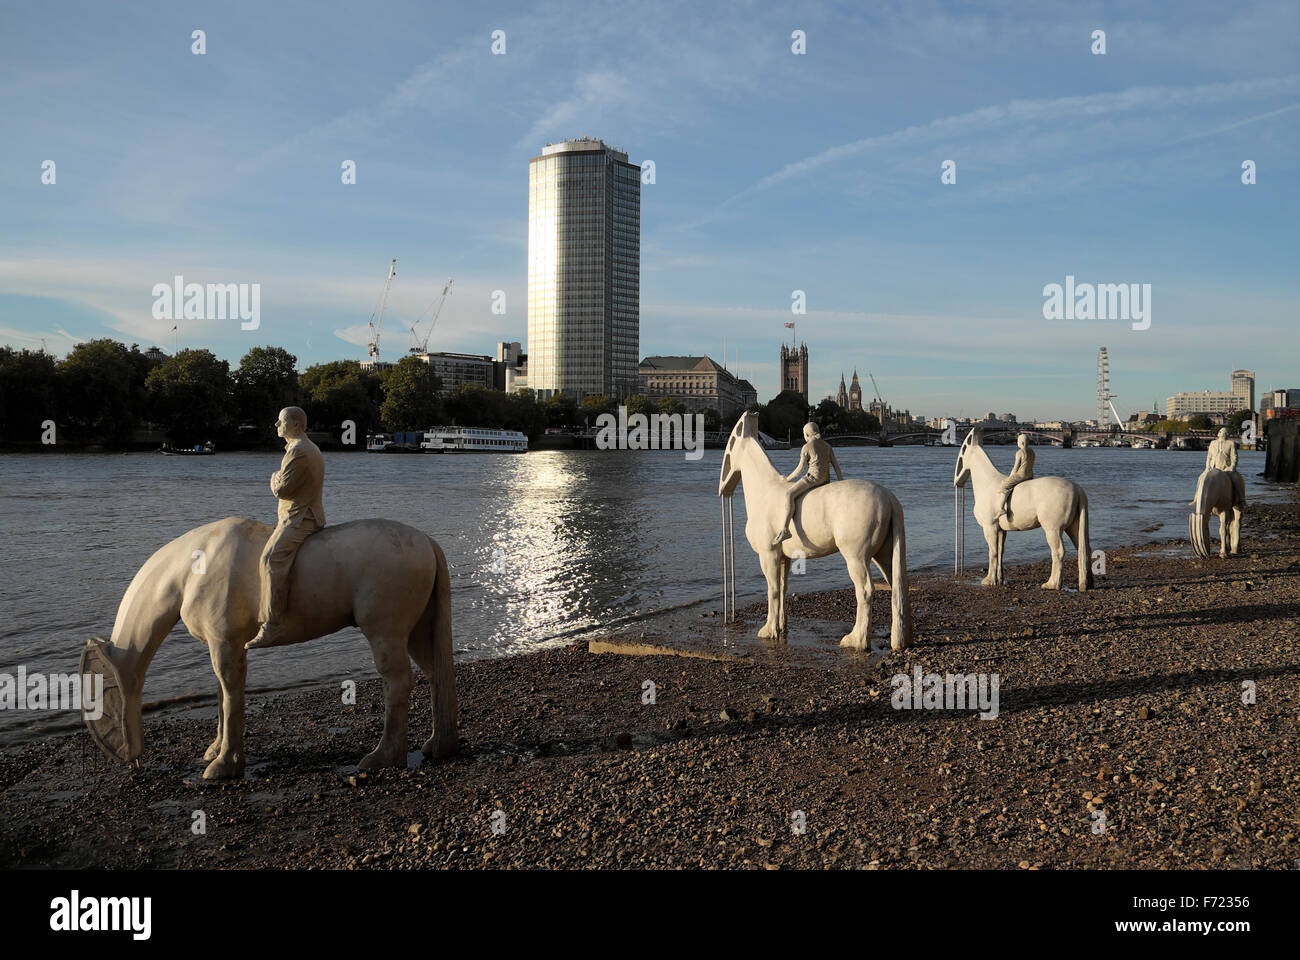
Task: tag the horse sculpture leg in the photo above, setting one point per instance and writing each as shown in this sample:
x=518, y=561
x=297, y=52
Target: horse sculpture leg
x=1235, y=530
x=392, y=663
x=991, y=538
x=860, y=573
x=214, y=747
x=1223, y=534
x=783, y=589
x=230, y=663
x=1058, y=553
x=768, y=560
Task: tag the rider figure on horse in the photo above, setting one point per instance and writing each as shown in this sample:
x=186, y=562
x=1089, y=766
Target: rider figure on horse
x=1222, y=455
x=1021, y=470
x=297, y=485
x=818, y=457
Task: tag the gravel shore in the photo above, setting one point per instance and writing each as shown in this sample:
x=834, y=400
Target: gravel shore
x=1122, y=706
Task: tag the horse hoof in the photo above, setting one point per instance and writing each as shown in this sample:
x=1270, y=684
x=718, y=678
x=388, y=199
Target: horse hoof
x=212, y=752
x=375, y=760
x=767, y=633
x=437, y=747
x=1050, y=586
x=986, y=582
x=228, y=768
x=853, y=642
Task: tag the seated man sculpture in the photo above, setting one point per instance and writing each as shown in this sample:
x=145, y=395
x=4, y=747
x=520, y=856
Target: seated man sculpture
x=1021, y=470
x=1222, y=455
x=818, y=457
x=298, y=485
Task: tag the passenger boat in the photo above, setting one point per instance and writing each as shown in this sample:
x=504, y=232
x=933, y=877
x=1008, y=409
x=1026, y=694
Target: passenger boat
x=473, y=440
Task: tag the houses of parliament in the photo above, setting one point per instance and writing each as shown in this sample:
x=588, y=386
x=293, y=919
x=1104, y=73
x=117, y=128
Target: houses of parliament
x=850, y=399
x=794, y=376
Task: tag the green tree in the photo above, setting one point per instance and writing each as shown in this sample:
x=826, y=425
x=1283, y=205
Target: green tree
x=340, y=390
x=561, y=410
x=28, y=393
x=1199, y=421
x=593, y=405
x=828, y=415
x=265, y=383
x=525, y=414
x=1237, y=419
x=190, y=396
x=411, y=400
x=784, y=416
x=102, y=387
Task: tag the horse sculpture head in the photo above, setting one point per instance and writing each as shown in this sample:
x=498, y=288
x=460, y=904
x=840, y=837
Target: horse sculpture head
x=961, y=472
x=115, y=725
x=729, y=477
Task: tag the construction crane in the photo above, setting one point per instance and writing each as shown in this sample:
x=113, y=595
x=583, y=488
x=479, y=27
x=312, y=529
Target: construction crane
x=883, y=406
x=376, y=327
x=422, y=346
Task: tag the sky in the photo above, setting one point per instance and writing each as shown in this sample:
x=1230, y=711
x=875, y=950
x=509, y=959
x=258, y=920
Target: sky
x=774, y=172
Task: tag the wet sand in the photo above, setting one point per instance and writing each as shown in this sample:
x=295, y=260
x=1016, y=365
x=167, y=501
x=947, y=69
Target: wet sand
x=1125, y=700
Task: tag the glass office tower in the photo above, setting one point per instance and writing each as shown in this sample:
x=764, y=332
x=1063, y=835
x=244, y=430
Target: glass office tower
x=584, y=270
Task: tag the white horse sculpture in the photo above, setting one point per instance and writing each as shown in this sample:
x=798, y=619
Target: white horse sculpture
x=1053, y=503
x=860, y=519
x=1215, y=493
x=389, y=579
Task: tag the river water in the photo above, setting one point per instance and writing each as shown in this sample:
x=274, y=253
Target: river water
x=544, y=546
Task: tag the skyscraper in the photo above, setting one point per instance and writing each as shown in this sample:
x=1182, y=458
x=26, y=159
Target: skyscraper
x=584, y=270
x=1243, y=385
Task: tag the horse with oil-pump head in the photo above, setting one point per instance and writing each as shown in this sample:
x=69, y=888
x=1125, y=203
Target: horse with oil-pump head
x=860, y=519
x=386, y=578
x=1056, y=504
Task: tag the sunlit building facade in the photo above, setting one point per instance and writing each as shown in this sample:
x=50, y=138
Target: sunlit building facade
x=584, y=270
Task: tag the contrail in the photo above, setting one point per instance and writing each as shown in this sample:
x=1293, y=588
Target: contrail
x=1262, y=116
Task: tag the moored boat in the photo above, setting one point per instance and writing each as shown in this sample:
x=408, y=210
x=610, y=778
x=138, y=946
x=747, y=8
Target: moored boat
x=473, y=440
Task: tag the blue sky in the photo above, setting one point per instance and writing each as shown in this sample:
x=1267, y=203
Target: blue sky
x=774, y=172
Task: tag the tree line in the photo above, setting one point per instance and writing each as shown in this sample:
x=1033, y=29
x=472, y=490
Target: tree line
x=103, y=391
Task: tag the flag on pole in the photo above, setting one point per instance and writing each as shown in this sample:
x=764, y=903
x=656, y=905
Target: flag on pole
x=790, y=326
x=173, y=328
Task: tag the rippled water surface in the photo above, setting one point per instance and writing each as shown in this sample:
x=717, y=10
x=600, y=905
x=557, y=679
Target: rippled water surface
x=543, y=546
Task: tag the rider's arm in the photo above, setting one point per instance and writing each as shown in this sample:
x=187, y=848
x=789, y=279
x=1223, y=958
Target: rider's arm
x=803, y=463
x=286, y=481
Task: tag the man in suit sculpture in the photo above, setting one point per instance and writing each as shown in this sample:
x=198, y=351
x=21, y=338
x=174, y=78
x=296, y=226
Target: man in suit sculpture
x=1222, y=455
x=818, y=457
x=297, y=485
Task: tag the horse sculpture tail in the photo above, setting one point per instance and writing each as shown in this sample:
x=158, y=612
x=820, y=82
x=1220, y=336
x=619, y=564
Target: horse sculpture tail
x=900, y=634
x=430, y=646
x=1198, y=522
x=1084, y=544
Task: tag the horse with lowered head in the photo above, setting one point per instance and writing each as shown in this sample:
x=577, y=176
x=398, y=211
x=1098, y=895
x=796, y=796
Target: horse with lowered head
x=386, y=578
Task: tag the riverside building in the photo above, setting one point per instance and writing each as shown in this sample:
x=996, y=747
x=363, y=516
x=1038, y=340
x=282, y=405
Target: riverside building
x=584, y=270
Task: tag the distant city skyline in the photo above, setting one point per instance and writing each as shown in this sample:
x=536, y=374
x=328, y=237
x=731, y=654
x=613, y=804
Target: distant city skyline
x=774, y=172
